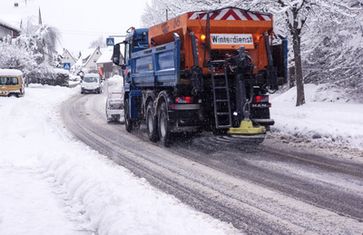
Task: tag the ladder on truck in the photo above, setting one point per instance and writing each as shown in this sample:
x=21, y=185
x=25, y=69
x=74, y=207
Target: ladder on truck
x=221, y=96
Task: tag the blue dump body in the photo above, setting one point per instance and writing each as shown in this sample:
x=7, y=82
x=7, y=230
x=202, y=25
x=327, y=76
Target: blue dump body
x=156, y=67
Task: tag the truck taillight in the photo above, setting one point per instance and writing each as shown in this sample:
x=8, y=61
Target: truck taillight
x=183, y=100
x=260, y=99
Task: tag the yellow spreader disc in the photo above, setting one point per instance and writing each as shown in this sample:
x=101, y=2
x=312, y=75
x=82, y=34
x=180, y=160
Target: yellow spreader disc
x=246, y=128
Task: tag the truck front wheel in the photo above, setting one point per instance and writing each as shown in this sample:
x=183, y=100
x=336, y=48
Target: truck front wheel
x=128, y=121
x=151, y=123
x=163, y=125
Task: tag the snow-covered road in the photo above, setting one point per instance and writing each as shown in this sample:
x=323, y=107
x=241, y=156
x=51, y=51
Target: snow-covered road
x=52, y=184
x=267, y=189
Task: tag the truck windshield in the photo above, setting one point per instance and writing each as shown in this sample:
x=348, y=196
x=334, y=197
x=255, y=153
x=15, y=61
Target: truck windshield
x=90, y=79
x=8, y=81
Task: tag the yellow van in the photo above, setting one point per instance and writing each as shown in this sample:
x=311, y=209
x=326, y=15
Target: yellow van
x=11, y=83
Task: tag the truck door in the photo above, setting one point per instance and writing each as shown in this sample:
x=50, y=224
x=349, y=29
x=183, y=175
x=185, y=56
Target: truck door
x=126, y=68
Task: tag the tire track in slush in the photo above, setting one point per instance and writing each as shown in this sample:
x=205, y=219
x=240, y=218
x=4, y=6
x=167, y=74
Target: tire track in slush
x=225, y=184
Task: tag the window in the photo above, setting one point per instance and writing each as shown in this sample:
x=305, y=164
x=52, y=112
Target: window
x=10, y=81
x=127, y=53
x=90, y=79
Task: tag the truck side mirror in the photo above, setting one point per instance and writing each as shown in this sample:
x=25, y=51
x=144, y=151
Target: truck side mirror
x=116, y=56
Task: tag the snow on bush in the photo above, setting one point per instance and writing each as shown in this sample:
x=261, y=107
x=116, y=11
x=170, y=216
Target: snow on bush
x=13, y=56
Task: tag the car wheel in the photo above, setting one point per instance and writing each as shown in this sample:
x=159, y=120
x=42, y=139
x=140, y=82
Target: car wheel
x=151, y=123
x=163, y=125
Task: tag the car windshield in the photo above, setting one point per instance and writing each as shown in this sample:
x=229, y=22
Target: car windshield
x=90, y=79
x=8, y=81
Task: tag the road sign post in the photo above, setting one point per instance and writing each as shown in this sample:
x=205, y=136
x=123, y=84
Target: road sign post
x=67, y=66
x=110, y=42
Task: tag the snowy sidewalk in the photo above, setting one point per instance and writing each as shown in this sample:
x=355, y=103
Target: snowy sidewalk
x=326, y=117
x=28, y=204
x=52, y=184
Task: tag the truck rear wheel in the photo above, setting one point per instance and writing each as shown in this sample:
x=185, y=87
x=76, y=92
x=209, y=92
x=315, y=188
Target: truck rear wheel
x=128, y=121
x=163, y=125
x=151, y=123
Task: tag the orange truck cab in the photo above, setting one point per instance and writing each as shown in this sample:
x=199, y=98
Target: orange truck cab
x=203, y=70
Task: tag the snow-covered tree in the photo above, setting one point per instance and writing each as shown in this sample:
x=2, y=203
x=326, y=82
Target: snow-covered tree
x=13, y=56
x=333, y=50
x=297, y=13
x=156, y=11
x=42, y=39
x=33, y=52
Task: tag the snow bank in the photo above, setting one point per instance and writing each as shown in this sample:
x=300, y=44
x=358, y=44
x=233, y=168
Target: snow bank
x=328, y=116
x=81, y=190
x=115, y=84
x=116, y=79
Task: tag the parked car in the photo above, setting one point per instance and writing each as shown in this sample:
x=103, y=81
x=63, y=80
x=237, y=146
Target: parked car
x=115, y=107
x=91, y=83
x=11, y=83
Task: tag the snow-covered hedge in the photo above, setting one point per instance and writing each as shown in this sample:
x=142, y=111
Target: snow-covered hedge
x=14, y=56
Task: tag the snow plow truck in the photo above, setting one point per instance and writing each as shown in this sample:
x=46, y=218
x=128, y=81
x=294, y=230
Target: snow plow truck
x=202, y=71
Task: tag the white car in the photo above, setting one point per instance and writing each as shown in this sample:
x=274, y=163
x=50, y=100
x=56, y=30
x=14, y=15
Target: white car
x=91, y=83
x=115, y=107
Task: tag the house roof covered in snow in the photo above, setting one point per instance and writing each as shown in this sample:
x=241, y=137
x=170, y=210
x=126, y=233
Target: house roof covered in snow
x=97, y=50
x=85, y=54
x=67, y=53
x=106, y=56
x=14, y=16
x=3, y=23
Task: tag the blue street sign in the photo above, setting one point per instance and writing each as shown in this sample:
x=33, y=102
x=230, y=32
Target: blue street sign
x=67, y=66
x=110, y=42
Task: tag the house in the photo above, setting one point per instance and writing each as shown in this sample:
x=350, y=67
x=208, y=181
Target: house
x=68, y=58
x=7, y=30
x=106, y=67
x=87, y=62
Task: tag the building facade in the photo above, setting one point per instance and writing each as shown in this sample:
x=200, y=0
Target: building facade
x=89, y=62
x=68, y=58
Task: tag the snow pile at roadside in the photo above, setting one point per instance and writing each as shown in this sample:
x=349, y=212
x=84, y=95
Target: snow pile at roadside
x=52, y=184
x=114, y=83
x=116, y=80
x=328, y=116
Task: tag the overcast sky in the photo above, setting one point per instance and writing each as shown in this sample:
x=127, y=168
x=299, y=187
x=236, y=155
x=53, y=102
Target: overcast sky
x=80, y=21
